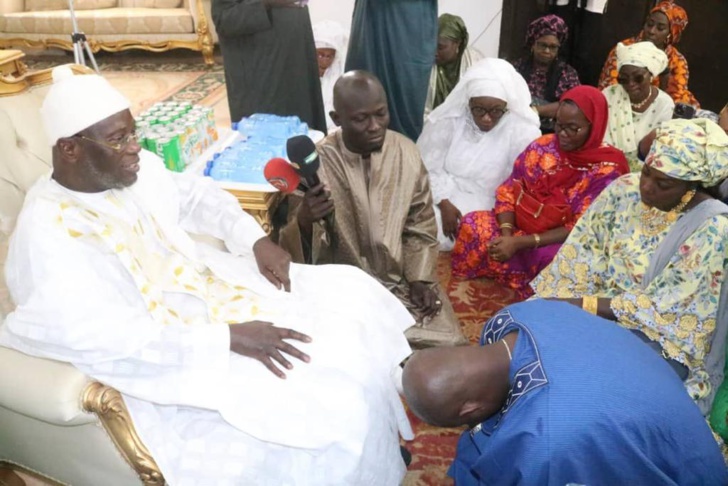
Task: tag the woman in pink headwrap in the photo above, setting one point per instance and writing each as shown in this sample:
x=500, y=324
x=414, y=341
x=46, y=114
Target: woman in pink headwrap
x=548, y=77
x=663, y=27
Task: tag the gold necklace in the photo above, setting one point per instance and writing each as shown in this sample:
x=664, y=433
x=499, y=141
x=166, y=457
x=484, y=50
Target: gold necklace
x=655, y=221
x=638, y=106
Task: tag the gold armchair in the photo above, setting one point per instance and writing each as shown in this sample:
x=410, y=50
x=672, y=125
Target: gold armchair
x=53, y=419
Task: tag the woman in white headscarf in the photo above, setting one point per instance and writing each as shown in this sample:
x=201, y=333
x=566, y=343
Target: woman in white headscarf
x=470, y=141
x=636, y=107
x=331, y=43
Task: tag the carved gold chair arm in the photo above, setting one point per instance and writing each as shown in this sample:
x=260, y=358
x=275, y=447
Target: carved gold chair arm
x=109, y=406
x=17, y=80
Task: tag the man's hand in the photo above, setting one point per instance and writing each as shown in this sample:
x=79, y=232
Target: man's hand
x=280, y=3
x=316, y=206
x=502, y=248
x=424, y=298
x=273, y=262
x=265, y=342
x=451, y=217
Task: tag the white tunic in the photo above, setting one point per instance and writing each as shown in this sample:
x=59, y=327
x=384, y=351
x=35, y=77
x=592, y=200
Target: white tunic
x=465, y=164
x=209, y=416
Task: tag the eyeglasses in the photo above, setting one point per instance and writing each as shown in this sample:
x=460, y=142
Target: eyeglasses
x=570, y=130
x=547, y=47
x=118, y=147
x=637, y=79
x=493, y=113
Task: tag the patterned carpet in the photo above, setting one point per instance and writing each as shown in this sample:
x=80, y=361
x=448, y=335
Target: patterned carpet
x=474, y=302
x=146, y=78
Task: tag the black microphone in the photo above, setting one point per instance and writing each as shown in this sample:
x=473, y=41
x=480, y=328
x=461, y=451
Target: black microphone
x=304, y=158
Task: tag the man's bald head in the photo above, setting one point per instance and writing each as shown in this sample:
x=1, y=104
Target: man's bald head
x=435, y=386
x=453, y=386
x=354, y=84
x=361, y=110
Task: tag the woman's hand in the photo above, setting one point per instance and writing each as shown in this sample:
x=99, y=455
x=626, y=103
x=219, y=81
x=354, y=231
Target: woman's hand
x=451, y=217
x=502, y=248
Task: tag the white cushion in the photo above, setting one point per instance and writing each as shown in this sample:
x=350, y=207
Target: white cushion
x=39, y=5
x=151, y=3
x=24, y=157
x=42, y=389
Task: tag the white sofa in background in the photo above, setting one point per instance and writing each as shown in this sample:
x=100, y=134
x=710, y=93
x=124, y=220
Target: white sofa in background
x=111, y=25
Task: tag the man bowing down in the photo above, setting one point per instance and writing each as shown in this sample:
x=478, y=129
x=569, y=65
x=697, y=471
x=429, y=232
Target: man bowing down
x=105, y=276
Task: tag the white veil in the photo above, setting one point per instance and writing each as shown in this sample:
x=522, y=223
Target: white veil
x=328, y=34
x=489, y=77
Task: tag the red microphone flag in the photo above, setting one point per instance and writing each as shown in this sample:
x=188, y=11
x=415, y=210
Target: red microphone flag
x=281, y=175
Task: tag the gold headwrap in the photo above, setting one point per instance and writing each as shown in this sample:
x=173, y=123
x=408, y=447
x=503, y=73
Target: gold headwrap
x=691, y=150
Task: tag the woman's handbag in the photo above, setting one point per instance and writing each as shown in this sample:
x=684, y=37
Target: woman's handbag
x=534, y=216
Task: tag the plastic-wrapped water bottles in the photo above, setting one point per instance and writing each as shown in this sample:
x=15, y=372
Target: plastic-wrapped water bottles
x=265, y=138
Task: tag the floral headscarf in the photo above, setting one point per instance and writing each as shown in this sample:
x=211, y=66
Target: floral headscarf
x=691, y=150
x=546, y=25
x=677, y=17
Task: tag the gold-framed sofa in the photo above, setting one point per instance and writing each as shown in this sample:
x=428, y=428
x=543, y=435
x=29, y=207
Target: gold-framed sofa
x=54, y=420
x=110, y=25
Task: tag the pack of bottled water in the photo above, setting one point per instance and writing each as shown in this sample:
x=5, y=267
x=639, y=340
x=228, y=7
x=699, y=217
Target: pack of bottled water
x=264, y=137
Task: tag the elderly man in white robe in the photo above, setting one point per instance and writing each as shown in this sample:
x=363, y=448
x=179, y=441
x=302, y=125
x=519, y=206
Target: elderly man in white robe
x=105, y=277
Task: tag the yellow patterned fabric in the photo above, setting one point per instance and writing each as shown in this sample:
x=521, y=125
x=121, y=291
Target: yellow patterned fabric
x=607, y=255
x=691, y=150
x=157, y=267
x=107, y=21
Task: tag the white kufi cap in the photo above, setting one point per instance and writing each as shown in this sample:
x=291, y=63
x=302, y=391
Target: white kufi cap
x=75, y=102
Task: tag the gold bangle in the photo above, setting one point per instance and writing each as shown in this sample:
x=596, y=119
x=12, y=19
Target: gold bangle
x=505, y=225
x=590, y=303
x=537, y=240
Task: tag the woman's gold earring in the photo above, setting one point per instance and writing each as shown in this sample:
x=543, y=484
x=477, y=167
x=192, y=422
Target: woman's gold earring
x=687, y=197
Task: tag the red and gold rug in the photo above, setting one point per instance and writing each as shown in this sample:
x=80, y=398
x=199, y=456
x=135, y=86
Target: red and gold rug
x=474, y=302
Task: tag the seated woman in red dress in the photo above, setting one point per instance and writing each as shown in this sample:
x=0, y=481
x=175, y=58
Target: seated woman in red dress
x=553, y=182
